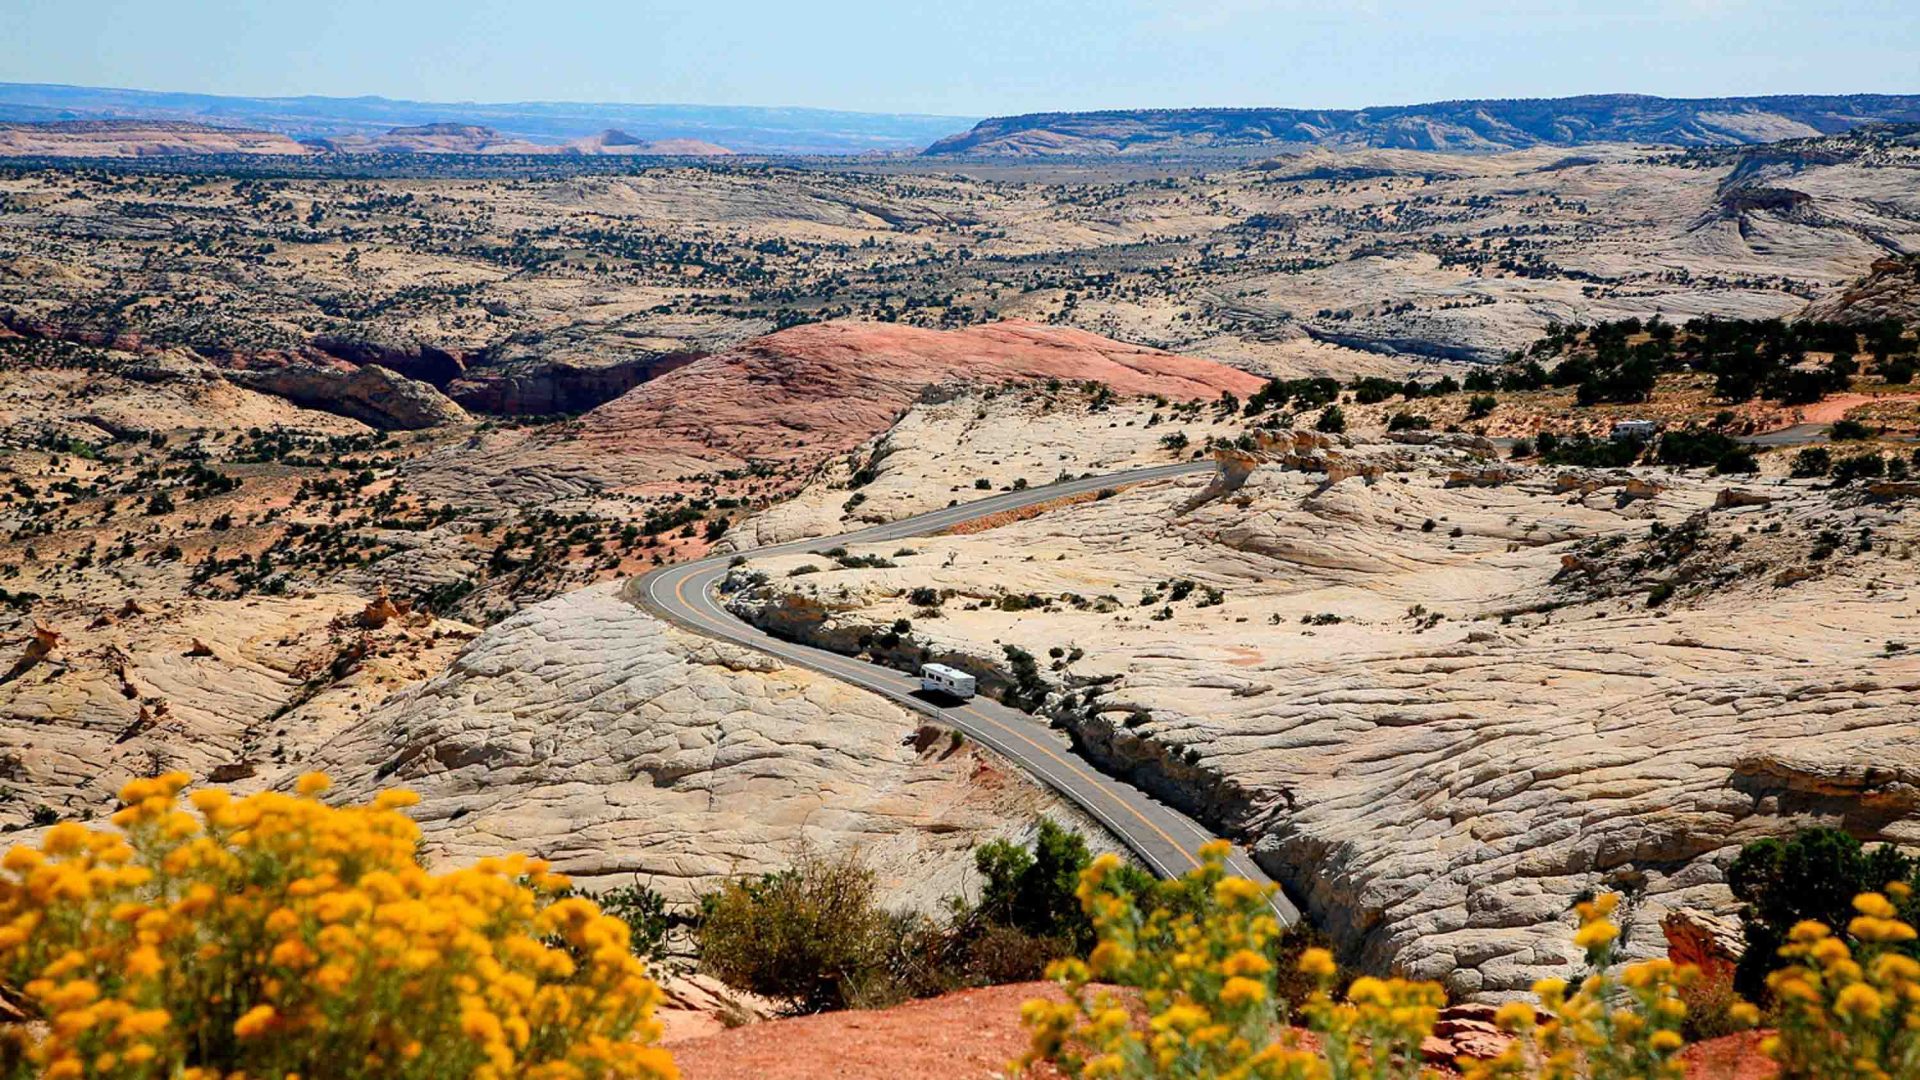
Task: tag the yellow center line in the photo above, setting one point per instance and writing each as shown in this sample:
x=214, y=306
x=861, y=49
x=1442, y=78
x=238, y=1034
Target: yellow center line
x=1075, y=768
x=679, y=594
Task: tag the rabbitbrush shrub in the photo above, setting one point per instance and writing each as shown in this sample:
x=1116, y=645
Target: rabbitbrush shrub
x=274, y=936
x=1200, y=952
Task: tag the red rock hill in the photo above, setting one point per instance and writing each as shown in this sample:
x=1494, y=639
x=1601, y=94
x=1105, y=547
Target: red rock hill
x=824, y=388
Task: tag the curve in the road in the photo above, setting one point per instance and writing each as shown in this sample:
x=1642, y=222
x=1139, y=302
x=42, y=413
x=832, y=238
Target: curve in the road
x=1162, y=836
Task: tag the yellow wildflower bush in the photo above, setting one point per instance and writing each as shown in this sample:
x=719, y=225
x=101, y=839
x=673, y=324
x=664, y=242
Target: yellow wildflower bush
x=1198, y=952
x=1849, y=1011
x=1202, y=960
x=275, y=936
x=1615, y=1023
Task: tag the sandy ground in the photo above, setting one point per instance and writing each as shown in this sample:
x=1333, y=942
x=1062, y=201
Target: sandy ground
x=973, y=1035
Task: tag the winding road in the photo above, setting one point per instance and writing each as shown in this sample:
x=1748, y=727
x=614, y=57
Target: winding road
x=1163, y=837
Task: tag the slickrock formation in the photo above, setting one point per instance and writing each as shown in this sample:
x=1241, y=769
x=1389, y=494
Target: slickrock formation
x=371, y=394
x=798, y=397
x=821, y=389
x=941, y=450
x=1431, y=731
x=586, y=731
x=1890, y=291
x=234, y=691
x=143, y=394
x=1415, y=256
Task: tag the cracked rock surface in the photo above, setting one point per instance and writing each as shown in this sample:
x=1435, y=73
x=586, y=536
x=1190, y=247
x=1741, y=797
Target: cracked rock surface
x=588, y=732
x=1440, y=710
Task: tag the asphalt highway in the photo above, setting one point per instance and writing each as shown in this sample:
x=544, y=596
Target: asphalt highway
x=1164, y=838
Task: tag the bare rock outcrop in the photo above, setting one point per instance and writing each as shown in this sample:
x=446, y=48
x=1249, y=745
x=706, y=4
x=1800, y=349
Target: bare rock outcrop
x=799, y=397
x=371, y=394
x=1891, y=290
x=1711, y=942
x=827, y=387
x=1441, y=712
x=39, y=647
x=586, y=731
x=235, y=691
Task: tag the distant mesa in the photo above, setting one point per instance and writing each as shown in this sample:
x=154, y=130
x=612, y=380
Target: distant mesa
x=615, y=141
x=163, y=138
x=137, y=139
x=322, y=120
x=1455, y=126
x=438, y=138
x=456, y=138
x=467, y=131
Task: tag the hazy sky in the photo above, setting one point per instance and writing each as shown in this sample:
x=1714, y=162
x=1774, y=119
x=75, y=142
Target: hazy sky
x=966, y=57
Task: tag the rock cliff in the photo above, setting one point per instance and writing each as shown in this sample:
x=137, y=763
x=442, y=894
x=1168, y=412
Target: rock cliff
x=371, y=394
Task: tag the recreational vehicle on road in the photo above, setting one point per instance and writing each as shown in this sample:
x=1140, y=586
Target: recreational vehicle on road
x=941, y=679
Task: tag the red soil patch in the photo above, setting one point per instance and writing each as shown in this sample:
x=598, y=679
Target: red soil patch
x=1008, y=517
x=1735, y=1057
x=970, y=1035
x=975, y=1034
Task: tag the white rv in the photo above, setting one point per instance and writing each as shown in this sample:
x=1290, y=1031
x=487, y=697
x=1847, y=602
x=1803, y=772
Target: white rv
x=941, y=679
x=1634, y=431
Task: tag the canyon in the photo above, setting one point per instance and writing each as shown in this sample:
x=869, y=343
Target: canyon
x=307, y=467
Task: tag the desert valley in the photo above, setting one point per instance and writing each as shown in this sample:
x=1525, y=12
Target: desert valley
x=1464, y=514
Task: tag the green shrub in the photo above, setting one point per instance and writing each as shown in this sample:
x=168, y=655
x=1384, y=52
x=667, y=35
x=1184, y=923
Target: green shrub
x=1588, y=452
x=643, y=910
x=1713, y=1007
x=1813, y=461
x=810, y=936
x=1029, y=689
x=1815, y=875
x=997, y=955
x=1859, y=467
x=1693, y=448
x=1033, y=891
x=814, y=936
x=1737, y=460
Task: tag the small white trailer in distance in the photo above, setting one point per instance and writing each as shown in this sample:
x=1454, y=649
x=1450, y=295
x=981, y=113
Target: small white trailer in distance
x=941, y=679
